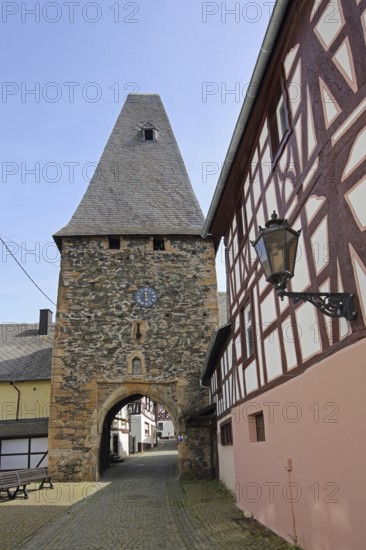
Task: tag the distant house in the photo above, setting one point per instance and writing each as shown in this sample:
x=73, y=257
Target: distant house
x=25, y=375
x=288, y=381
x=120, y=435
x=165, y=425
x=143, y=425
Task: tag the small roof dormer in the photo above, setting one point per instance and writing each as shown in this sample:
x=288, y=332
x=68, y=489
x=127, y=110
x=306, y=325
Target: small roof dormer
x=149, y=132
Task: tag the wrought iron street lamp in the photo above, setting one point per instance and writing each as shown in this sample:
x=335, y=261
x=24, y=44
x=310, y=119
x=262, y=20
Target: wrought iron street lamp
x=276, y=248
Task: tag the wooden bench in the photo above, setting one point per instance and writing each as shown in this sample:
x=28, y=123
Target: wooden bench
x=19, y=479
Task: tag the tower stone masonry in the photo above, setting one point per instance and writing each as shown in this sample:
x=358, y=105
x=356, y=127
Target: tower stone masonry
x=137, y=299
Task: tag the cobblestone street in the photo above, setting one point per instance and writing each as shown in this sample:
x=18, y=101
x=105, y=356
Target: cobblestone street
x=140, y=503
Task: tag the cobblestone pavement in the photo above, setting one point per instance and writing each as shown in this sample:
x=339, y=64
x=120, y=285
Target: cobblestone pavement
x=140, y=503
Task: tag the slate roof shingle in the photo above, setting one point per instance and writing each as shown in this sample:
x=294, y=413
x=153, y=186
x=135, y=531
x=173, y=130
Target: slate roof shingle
x=24, y=354
x=139, y=187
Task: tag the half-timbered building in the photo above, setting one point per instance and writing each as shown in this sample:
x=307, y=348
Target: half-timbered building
x=288, y=381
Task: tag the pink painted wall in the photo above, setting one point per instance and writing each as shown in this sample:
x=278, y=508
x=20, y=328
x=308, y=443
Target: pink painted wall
x=318, y=421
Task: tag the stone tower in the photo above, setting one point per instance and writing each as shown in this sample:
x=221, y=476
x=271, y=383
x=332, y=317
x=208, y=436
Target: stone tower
x=137, y=298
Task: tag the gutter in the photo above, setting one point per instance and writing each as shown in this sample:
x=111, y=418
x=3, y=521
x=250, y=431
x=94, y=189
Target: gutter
x=266, y=50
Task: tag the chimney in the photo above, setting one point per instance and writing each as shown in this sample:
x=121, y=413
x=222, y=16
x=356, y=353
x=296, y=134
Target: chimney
x=45, y=321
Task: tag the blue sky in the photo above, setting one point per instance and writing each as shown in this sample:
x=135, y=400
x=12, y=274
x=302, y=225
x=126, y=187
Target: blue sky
x=66, y=69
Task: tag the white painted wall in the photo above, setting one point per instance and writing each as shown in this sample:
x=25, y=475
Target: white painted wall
x=166, y=427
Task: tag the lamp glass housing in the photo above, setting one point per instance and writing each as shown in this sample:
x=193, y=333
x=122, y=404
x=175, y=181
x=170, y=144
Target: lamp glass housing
x=276, y=248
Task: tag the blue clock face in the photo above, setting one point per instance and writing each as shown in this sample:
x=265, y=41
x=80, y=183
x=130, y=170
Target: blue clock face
x=146, y=296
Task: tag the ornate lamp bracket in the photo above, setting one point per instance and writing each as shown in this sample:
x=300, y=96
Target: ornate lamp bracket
x=334, y=305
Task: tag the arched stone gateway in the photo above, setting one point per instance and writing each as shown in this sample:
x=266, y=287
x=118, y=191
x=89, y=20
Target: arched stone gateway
x=137, y=298
x=124, y=395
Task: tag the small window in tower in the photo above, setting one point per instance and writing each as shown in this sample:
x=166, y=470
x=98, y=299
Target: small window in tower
x=159, y=244
x=149, y=134
x=114, y=243
x=136, y=366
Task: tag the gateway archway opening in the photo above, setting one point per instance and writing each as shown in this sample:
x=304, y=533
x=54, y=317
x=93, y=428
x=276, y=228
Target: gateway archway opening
x=135, y=424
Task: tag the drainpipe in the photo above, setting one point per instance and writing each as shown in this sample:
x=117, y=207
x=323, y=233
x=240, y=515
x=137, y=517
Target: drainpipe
x=18, y=401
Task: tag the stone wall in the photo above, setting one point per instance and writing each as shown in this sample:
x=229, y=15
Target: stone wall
x=96, y=340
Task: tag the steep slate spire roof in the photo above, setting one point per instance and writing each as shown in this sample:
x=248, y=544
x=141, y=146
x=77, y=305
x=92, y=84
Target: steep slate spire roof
x=140, y=187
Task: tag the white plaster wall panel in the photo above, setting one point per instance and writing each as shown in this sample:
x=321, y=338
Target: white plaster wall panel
x=251, y=280
x=248, y=209
x=310, y=126
x=289, y=59
x=242, y=295
x=311, y=174
x=231, y=285
x=264, y=135
x=256, y=188
x=331, y=108
x=344, y=63
x=237, y=391
x=301, y=278
x=253, y=232
x=257, y=334
x=287, y=189
x=356, y=199
x=268, y=310
x=349, y=121
x=223, y=365
x=272, y=352
x=330, y=23
x=241, y=380
x=230, y=355
x=312, y=206
x=358, y=154
x=236, y=323
x=308, y=327
x=230, y=387
x=314, y=9
x=238, y=347
x=254, y=161
x=292, y=207
x=289, y=343
x=230, y=255
x=235, y=244
x=237, y=275
x=261, y=220
x=262, y=284
x=298, y=134
x=363, y=22
x=266, y=165
x=284, y=161
x=320, y=246
x=294, y=90
x=251, y=378
x=283, y=304
x=270, y=197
